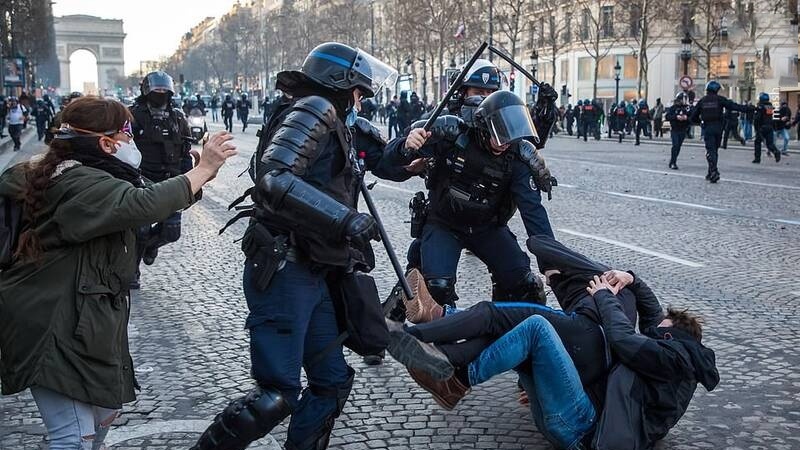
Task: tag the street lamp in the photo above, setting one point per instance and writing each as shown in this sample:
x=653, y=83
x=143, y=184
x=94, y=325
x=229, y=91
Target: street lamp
x=534, y=62
x=686, y=52
x=731, y=72
x=617, y=71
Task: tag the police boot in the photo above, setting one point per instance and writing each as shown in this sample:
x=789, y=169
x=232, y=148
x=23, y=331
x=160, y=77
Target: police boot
x=374, y=360
x=149, y=256
x=714, y=176
x=320, y=438
x=245, y=420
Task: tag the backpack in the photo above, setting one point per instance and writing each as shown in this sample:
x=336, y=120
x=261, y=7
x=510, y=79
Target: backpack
x=10, y=227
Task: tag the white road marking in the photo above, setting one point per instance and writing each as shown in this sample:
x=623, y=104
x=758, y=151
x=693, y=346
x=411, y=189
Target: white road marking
x=634, y=248
x=790, y=222
x=689, y=175
x=673, y=173
x=394, y=188
x=661, y=200
x=118, y=435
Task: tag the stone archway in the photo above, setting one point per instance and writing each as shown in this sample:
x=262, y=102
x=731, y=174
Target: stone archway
x=102, y=37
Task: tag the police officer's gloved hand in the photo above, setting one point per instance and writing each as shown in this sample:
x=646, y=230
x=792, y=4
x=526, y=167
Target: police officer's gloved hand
x=361, y=228
x=547, y=94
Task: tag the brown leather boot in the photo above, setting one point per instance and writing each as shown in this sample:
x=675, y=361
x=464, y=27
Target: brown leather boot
x=447, y=393
x=422, y=307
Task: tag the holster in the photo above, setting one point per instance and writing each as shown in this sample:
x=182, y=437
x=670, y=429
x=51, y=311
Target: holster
x=418, y=206
x=265, y=251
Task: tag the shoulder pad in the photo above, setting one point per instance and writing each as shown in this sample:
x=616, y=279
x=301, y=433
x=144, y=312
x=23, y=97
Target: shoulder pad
x=320, y=107
x=366, y=128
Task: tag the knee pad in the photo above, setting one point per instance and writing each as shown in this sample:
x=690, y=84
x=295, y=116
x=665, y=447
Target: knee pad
x=443, y=290
x=320, y=438
x=244, y=420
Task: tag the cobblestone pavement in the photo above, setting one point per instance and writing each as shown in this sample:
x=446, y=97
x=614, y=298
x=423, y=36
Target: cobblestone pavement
x=727, y=251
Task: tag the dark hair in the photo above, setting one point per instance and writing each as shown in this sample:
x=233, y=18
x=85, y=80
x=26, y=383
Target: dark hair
x=685, y=321
x=89, y=113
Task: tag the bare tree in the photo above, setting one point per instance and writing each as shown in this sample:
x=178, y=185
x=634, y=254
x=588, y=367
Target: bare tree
x=598, y=34
x=554, y=32
x=647, y=23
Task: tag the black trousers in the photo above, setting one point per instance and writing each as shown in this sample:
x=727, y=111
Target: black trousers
x=658, y=130
x=228, y=121
x=712, y=137
x=677, y=137
x=485, y=322
x=767, y=136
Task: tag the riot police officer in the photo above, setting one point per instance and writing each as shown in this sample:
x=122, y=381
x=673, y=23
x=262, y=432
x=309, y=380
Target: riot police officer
x=305, y=235
x=243, y=110
x=228, y=106
x=484, y=167
x=55, y=123
x=589, y=118
x=710, y=110
x=642, y=120
x=620, y=119
x=762, y=122
x=678, y=117
x=161, y=133
x=569, y=115
x=579, y=118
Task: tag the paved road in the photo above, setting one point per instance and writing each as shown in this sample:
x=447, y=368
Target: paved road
x=727, y=251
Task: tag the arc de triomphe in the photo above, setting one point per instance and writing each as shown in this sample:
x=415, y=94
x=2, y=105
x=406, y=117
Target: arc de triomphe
x=102, y=37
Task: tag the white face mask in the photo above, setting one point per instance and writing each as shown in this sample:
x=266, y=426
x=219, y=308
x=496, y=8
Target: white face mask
x=128, y=153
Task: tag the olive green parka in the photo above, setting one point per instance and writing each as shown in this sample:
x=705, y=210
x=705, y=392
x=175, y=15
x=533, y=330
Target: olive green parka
x=64, y=317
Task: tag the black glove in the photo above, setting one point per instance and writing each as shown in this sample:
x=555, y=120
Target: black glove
x=360, y=229
x=547, y=94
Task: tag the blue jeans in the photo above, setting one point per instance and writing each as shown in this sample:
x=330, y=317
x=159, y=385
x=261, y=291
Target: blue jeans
x=72, y=425
x=784, y=133
x=561, y=409
x=748, y=129
x=291, y=322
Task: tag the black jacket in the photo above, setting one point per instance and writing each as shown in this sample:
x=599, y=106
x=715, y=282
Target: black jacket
x=651, y=388
x=672, y=115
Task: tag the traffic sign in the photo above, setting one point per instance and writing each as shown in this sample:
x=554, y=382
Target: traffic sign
x=686, y=82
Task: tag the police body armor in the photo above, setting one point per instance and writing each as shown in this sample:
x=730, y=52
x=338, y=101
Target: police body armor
x=711, y=108
x=471, y=188
x=158, y=136
x=306, y=184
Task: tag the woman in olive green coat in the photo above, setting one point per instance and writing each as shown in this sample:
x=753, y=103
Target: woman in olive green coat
x=64, y=302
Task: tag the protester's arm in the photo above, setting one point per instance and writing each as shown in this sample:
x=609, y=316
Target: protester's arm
x=647, y=304
x=642, y=354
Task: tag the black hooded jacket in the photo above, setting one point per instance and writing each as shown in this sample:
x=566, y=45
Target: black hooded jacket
x=649, y=391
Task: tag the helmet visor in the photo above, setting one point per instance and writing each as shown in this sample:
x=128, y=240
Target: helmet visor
x=161, y=82
x=510, y=124
x=379, y=73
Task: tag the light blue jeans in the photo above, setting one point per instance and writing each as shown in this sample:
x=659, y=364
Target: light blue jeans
x=71, y=424
x=784, y=133
x=561, y=409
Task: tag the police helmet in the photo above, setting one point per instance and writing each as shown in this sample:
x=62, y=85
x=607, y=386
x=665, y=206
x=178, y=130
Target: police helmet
x=506, y=118
x=586, y=101
x=763, y=97
x=157, y=81
x=621, y=103
x=75, y=94
x=580, y=102
x=339, y=67
x=569, y=106
x=642, y=103
x=483, y=75
x=713, y=86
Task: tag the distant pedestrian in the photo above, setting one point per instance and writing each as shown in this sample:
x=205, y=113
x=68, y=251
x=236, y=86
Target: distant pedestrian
x=3, y=112
x=658, y=119
x=215, y=108
x=781, y=124
x=747, y=121
x=391, y=115
x=569, y=117
x=16, y=117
